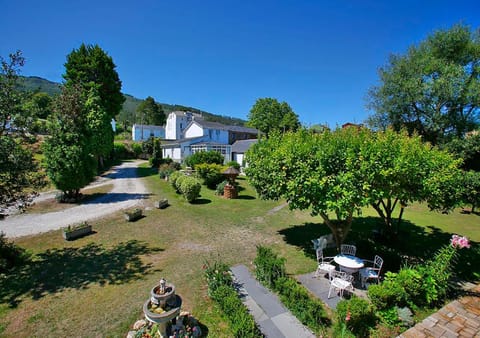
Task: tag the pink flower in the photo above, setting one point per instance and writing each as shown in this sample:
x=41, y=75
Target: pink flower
x=459, y=242
x=347, y=318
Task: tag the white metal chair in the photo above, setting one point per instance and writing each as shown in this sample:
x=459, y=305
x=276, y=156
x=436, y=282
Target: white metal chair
x=372, y=272
x=340, y=281
x=347, y=249
x=324, y=264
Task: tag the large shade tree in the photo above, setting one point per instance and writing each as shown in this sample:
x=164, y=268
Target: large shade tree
x=269, y=115
x=19, y=173
x=433, y=89
x=337, y=173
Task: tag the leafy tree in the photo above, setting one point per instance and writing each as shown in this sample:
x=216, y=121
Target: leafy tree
x=210, y=157
x=89, y=66
x=68, y=151
x=11, y=99
x=398, y=170
x=19, y=173
x=40, y=104
x=337, y=173
x=471, y=189
x=99, y=127
x=468, y=149
x=151, y=112
x=433, y=88
x=319, y=172
x=268, y=115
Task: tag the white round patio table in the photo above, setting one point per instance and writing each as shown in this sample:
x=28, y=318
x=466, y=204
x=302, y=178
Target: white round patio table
x=349, y=264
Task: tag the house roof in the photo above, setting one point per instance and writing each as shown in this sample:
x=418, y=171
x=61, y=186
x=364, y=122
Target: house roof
x=176, y=143
x=219, y=126
x=241, y=146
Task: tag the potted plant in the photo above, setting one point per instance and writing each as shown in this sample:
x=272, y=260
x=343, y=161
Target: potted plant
x=75, y=231
x=161, y=204
x=133, y=215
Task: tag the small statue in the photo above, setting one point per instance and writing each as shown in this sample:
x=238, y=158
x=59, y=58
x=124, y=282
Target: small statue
x=162, y=288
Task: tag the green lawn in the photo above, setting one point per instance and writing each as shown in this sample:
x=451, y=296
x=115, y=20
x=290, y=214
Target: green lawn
x=96, y=285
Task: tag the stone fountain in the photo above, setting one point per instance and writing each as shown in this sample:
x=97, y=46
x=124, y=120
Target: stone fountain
x=163, y=305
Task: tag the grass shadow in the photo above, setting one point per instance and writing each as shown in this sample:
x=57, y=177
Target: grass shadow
x=246, y=197
x=57, y=269
x=413, y=245
x=200, y=201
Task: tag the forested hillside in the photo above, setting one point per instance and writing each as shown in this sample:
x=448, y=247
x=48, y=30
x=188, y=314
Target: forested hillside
x=127, y=115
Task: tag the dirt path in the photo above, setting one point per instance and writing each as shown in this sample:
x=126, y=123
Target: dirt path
x=128, y=191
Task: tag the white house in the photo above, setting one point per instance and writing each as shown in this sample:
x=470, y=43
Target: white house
x=177, y=121
x=201, y=135
x=141, y=132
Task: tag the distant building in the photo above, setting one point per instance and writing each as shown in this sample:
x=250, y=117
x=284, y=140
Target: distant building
x=239, y=148
x=200, y=135
x=141, y=132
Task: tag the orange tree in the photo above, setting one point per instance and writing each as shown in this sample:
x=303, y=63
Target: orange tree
x=337, y=173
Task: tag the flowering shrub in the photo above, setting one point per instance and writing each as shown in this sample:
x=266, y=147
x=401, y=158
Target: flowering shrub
x=217, y=275
x=357, y=315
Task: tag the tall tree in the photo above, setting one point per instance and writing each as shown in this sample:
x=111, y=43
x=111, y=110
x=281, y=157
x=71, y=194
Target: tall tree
x=68, y=151
x=268, y=115
x=19, y=173
x=11, y=98
x=89, y=66
x=98, y=126
x=151, y=112
x=318, y=172
x=433, y=88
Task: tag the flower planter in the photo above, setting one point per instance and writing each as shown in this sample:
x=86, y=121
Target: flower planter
x=70, y=233
x=161, y=204
x=133, y=215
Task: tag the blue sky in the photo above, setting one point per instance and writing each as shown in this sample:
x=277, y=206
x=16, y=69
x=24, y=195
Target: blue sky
x=220, y=56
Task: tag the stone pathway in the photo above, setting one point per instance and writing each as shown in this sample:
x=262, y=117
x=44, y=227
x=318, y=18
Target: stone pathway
x=319, y=286
x=272, y=317
x=460, y=318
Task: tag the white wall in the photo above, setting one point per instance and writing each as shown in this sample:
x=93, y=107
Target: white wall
x=193, y=131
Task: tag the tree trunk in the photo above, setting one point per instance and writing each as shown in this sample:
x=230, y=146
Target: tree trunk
x=340, y=228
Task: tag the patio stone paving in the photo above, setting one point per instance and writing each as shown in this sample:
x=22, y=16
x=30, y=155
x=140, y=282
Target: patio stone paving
x=460, y=318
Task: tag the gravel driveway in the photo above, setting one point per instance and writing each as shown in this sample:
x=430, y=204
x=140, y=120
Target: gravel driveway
x=128, y=191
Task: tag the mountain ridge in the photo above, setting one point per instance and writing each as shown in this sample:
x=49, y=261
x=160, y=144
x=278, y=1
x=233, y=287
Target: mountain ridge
x=128, y=112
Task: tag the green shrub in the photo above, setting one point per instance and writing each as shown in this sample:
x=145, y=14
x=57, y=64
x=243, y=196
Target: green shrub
x=357, y=314
x=222, y=291
x=190, y=188
x=211, y=174
x=386, y=295
x=241, y=321
x=174, y=177
x=166, y=169
x=233, y=164
x=389, y=316
x=137, y=149
x=220, y=188
x=121, y=151
x=268, y=266
x=436, y=273
x=217, y=274
x=410, y=280
x=296, y=298
x=204, y=157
